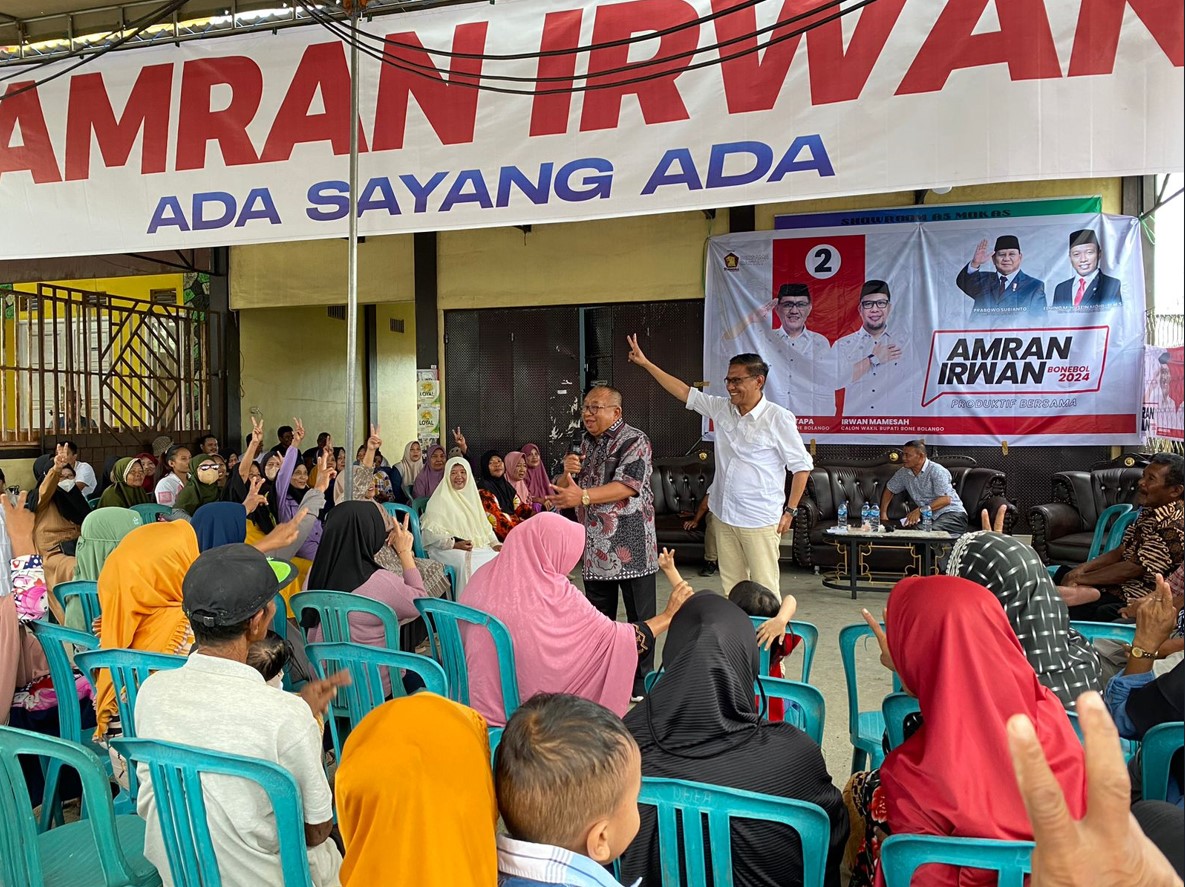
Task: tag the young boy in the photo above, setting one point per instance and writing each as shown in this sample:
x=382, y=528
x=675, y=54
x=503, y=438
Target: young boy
x=757, y=600
x=268, y=657
x=567, y=775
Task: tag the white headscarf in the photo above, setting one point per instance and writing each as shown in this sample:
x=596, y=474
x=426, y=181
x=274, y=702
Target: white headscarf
x=458, y=513
x=408, y=469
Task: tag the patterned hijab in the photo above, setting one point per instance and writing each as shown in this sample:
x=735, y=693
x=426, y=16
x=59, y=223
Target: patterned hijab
x=1064, y=660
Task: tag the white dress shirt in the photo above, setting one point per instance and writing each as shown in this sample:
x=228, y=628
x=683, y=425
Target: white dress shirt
x=801, y=372
x=85, y=475
x=885, y=390
x=753, y=454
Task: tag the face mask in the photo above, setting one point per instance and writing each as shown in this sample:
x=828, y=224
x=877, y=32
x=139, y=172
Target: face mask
x=271, y=471
x=66, y=485
x=207, y=475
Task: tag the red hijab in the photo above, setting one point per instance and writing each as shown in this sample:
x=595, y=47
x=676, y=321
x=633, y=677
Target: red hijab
x=954, y=647
x=149, y=476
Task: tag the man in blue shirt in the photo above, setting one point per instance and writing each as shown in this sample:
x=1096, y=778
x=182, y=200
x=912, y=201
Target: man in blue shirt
x=927, y=483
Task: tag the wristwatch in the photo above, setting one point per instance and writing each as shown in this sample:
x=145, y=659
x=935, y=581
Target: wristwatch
x=872, y=361
x=1141, y=653
x=584, y=500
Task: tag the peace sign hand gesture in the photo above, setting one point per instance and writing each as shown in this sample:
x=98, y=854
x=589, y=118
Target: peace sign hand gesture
x=374, y=441
x=297, y=432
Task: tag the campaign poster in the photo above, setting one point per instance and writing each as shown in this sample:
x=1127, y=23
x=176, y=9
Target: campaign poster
x=975, y=325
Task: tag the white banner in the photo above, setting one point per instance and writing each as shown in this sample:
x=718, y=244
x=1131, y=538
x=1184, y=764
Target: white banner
x=245, y=139
x=1164, y=392
x=973, y=325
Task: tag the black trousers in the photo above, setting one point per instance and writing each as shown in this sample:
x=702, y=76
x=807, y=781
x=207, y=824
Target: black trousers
x=640, y=605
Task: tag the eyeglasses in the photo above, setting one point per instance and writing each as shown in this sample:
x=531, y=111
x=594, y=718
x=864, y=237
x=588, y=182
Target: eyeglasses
x=733, y=381
x=800, y=306
x=875, y=303
x=594, y=408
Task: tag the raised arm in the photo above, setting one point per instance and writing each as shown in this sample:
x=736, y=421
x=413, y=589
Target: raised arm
x=252, y=450
x=677, y=388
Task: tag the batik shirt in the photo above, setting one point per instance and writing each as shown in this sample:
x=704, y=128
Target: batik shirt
x=619, y=540
x=1156, y=542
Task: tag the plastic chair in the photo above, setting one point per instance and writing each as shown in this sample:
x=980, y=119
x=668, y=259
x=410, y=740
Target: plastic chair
x=1118, y=528
x=682, y=807
x=805, y=708
x=129, y=669
x=809, y=633
x=366, y=667
x=901, y=855
x=895, y=708
x=1159, y=745
x=87, y=593
x=149, y=511
x=93, y=502
x=176, y=771
x=334, y=608
x=1102, y=533
x=54, y=639
x=397, y=511
x=865, y=728
x=444, y=619
x=101, y=848
x=1112, y=631
x=420, y=504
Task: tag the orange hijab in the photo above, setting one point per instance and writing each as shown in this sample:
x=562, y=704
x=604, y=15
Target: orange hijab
x=140, y=593
x=415, y=797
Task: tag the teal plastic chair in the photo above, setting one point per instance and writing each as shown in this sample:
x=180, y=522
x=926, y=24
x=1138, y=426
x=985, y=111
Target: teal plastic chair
x=805, y=708
x=334, y=609
x=87, y=593
x=397, y=511
x=420, y=504
x=895, y=708
x=149, y=511
x=1103, y=531
x=1112, y=631
x=175, y=772
x=683, y=806
x=280, y=620
x=54, y=640
x=1159, y=745
x=99, y=849
x=809, y=633
x=366, y=666
x=901, y=855
x=1118, y=528
x=129, y=669
x=444, y=620
x=865, y=728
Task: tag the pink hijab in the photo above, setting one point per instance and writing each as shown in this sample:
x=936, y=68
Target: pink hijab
x=513, y=460
x=537, y=480
x=562, y=644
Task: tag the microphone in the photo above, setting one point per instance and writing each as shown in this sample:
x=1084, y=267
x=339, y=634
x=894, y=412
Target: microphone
x=576, y=444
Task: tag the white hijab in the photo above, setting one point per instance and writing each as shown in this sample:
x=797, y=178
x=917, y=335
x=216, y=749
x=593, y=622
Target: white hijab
x=458, y=513
x=408, y=469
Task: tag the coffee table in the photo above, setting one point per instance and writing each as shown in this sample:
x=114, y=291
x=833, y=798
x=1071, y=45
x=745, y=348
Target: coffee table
x=852, y=572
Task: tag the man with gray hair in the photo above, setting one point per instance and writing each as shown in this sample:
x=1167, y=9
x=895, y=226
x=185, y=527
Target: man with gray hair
x=928, y=483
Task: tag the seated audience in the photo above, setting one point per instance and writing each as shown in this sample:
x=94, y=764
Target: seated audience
x=169, y=487
x=220, y=523
x=927, y=482
x=516, y=473
x=567, y=774
x=1064, y=660
x=148, y=463
x=83, y=472
x=219, y=702
x=498, y=496
x=293, y=493
x=59, y=508
x=432, y=473
x=454, y=529
x=415, y=797
x=127, y=485
x=102, y=531
x=562, y=643
x=954, y=649
x=700, y=722
x=410, y=466
x=757, y=600
x=1098, y=589
x=538, y=481
x=202, y=487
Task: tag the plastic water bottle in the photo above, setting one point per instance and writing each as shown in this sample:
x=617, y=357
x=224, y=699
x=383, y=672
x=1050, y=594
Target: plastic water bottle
x=843, y=515
x=865, y=514
x=927, y=519
x=874, y=518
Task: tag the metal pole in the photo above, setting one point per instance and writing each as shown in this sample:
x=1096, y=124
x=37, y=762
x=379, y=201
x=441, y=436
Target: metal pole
x=352, y=264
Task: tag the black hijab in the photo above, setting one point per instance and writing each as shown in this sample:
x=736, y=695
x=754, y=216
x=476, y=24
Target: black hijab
x=72, y=505
x=236, y=490
x=499, y=486
x=104, y=479
x=353, y=533
x=700, y=722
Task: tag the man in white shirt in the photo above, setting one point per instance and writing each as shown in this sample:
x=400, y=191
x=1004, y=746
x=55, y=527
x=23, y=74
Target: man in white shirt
x=757, y=442
x=83, y=473
x=876, y=378
x=218, y=702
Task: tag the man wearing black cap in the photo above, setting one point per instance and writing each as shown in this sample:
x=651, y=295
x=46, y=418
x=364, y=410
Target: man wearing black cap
x=872, y=360
x=1005, y=288
x=218, y=702
x=1089, y=288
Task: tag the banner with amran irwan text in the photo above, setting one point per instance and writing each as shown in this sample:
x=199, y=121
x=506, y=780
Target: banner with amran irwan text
x=977, y=325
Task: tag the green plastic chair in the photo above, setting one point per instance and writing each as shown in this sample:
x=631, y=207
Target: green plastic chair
x=129, y=669
x=866, y=729
x=1103, y=528
x=99, y=849
x=683, y=807
x=805, y=707
x=901, y=855
x=895, y=708
x=420, y=504
x=334, y=609
x=365, y=692
x=809, y=633
x=149, y=511
x=54, y=640
x=175, y=772
x=94, y=501
x=444, y=620
x=87, y=593
x=1112, y=631
x=1159, y=745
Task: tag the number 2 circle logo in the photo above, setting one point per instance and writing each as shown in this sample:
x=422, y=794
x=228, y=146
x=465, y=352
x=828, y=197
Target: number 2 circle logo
x=823, y=261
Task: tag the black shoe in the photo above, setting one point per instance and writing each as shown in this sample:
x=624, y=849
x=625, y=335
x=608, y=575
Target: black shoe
x=709, y=569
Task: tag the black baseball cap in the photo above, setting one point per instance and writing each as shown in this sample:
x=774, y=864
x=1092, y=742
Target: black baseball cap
x=231, y=583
